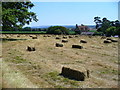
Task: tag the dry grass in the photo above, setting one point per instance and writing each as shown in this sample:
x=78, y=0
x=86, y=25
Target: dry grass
x=43, y=66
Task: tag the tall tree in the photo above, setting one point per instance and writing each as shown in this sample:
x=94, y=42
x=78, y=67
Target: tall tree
x=107, y=27
x=97, y=21
x=16, y=14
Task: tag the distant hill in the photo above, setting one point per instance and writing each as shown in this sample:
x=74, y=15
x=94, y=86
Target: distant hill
x=67, y=26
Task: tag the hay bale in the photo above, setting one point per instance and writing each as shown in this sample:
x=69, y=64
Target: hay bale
x=65, y=37
x=107, y=41
x=113, y=40
x=76, y=36
x=34, y=37
x=70, y=37
x=45, y=36
x=30, y=48
x=64, y=40
x=57, y=37
x=30, y=36
x=103, y=37
x=59, y=45
x=83, y=41
x=73, y=74
x=90, y=36
x=77, y=46
x=18, y=35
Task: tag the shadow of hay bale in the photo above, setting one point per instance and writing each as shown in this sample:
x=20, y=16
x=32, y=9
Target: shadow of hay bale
x=83, y=41
x=57, y=38
x=113, y=40
x=107, y=41
x=64, y=40
x=34, y=37
x=77, y=46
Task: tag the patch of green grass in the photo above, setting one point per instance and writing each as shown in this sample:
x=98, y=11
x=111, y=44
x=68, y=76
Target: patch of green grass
x=20, y=32
x=9, y=53
x=54, y=77
x=74, y=83
x=68, y=63
x=19, y=59
x=79, y=61
x=109, y=71
x=50, y=48
x=105, y=54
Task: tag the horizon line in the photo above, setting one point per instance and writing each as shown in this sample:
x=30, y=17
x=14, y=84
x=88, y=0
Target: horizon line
x=61, y=25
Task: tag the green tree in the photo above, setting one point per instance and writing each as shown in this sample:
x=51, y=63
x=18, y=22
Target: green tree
x=117, y=23
x=106, y=26
x=27, y=28
x=97, y=21
x=117, y=32
x=57, y=30
x=16, y=14
x=111, y=31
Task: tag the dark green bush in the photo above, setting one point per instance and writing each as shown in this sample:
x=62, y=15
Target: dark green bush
x=57, y=30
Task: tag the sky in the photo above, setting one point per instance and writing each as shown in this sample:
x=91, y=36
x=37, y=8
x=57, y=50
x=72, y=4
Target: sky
x=71, y=13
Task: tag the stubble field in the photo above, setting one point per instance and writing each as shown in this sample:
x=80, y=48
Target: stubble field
x=41, y=68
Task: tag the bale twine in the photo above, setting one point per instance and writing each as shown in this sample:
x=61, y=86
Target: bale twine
x=74, y=73
x=59, y=45
x=77, y=46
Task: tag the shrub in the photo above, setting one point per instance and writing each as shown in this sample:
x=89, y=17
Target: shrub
x=57, y=30
x=111, y=31
x=117, y=32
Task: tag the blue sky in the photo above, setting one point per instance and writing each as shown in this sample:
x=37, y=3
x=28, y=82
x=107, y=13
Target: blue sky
x=71, y=13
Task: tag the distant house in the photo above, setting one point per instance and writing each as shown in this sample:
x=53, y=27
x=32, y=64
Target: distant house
x=82, y=28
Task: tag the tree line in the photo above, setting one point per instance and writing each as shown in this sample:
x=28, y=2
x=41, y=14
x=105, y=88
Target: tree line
x=16, y=14
x=107, y=27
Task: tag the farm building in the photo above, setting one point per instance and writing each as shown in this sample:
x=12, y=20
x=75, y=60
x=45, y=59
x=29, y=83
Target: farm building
x=82, y=28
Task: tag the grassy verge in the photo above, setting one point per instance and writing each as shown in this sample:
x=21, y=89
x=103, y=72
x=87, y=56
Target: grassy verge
x=23, y=32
